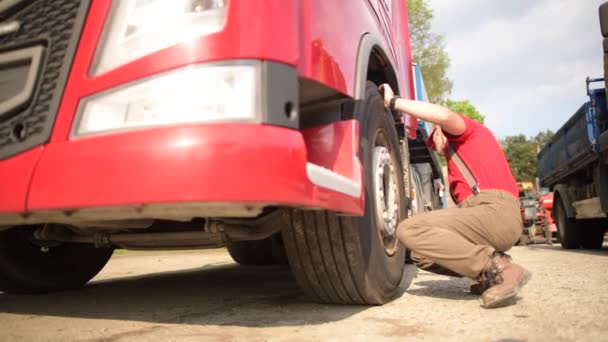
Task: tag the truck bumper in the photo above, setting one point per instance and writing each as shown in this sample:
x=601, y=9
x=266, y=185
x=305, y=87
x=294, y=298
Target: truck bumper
x=186, y=171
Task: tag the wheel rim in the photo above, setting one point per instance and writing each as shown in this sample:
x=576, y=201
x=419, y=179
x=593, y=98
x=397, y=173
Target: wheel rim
x=386, y=196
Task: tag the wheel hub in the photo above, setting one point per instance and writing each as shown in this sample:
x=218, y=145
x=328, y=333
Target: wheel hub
x=385, y=192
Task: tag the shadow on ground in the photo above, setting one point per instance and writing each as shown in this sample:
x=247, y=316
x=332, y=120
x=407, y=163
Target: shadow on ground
x=218, y=295
x=448, y=288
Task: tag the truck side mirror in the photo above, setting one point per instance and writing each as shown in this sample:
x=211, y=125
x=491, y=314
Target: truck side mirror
x=604, y=19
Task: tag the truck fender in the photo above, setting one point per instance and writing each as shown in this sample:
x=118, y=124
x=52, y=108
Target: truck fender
x=561, y=191
x=368, y=43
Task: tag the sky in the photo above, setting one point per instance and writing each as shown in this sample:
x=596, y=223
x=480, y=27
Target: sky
x=521, y=63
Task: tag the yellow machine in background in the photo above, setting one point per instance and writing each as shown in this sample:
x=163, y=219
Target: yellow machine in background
x=526, y=188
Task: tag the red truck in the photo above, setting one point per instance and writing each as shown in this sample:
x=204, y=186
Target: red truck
x=164, y=124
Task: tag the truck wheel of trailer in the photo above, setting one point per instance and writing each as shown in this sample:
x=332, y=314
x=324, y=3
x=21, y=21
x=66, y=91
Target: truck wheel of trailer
x=418, y=201
x=567, y=228
x=416, y=204
x=270, y=251
x=356, y=260
x=436, y=199
x=29, y=267
x=592, y=233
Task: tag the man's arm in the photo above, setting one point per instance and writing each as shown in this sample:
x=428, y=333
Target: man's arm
x=448, y=120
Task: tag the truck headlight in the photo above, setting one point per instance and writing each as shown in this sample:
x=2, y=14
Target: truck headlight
x=136, y=28
x=198, y=93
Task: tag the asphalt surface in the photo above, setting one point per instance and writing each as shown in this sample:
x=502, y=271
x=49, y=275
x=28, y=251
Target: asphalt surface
x=202, y=296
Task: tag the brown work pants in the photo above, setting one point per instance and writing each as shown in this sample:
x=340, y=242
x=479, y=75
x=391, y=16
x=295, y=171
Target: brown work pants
x=461, y=241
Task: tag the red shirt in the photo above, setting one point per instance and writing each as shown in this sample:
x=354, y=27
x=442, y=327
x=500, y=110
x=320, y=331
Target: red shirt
x=482, y=153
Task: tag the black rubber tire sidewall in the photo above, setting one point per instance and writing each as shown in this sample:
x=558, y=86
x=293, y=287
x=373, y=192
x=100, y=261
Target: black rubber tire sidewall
x=567, y=229
x=24, y=268
x=379, y=273
x=266, y=252
x=341, y=259
x=419, y=196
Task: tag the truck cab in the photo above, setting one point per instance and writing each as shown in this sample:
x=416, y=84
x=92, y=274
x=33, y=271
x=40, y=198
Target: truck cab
x=255, y=125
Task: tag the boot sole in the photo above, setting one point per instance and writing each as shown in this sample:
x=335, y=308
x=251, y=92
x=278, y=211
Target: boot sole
x=494, y=303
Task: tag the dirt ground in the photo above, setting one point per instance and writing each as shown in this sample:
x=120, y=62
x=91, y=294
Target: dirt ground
x=202, y=295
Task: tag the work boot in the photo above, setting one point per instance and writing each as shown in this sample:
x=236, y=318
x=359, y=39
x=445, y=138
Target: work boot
x=504, y=278
x=478, y=287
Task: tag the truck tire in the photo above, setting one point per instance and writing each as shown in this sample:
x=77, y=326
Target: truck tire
x=567, y=228
x=265, y=252
x=418, y=202
x=436, y=199
x=591, y=234
x=26, y=267
x=355, y=260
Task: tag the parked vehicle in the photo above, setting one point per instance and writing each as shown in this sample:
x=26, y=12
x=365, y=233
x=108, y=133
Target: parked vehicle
x=545, y=216
x=198, y=124
x=427, y=175
x=528, y=201
x=536, y=215
x=574, y=165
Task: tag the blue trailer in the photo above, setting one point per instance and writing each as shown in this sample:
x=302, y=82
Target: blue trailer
x=574, y=164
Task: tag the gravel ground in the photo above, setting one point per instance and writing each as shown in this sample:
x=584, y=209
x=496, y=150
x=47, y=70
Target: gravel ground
x=202, y=295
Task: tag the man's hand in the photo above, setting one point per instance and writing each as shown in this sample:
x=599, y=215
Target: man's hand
x=450, y=122
x=388, y=94
x=439, y=140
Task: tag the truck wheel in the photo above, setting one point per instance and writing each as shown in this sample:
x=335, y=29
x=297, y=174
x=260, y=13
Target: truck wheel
x=265, y=252
x=436, y=199
x=418, y=202
x=592, y=234
x=356, y=260
x=567, y=228
x=29, y=267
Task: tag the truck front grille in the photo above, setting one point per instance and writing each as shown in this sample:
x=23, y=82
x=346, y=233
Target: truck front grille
x=54, y=25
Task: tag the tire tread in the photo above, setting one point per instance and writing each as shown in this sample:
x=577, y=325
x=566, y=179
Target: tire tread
x=340, y=259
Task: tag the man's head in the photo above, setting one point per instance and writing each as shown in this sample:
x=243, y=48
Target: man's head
x=439, y=140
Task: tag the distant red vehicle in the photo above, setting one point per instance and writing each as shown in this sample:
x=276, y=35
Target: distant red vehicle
x=545, y=213
x=536, y=216
x=544, y=228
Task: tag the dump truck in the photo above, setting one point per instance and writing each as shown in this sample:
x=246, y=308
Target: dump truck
x=574, y=164
x=173, y=124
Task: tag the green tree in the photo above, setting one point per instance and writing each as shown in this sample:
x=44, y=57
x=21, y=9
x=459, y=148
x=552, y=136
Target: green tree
x=428, y=50
x=542, y=138
x=465, y=108
x=521, y=154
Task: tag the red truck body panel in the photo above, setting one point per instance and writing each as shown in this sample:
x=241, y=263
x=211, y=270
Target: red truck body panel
x=215, y=162
x=256, y=164
x=15, y=176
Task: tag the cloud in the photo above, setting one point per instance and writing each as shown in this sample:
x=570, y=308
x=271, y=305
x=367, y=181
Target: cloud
x=521, y=63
